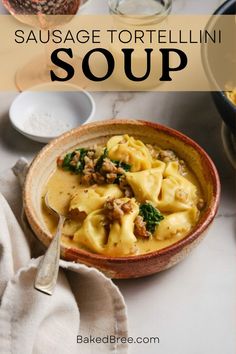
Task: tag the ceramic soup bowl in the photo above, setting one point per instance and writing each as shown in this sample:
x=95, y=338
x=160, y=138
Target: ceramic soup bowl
x=97, y=133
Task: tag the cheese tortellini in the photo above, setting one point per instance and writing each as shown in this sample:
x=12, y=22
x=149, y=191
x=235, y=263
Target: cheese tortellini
x=90, y=199
x=92, y=234
x=176, y=224
x=131, y=198
x=164, y=187
x=131, y=151
x=146, y=185
x=120, y=238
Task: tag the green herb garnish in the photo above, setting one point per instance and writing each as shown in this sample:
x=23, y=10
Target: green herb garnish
x=151, y=216
x=75, y=162
x=125, y=166
x=68, y=159
x=100, y=161
x=80, y=165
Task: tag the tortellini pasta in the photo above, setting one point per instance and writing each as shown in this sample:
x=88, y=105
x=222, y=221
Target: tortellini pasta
x=131, y=151
x=177, y=193
x=146, y=185
x=92, y=198
x=92, y=234
x=120, y=239
x=176, y=224
x=164, y=187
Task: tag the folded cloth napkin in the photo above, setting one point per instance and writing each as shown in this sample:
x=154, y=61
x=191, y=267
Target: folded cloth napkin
x=86, y=307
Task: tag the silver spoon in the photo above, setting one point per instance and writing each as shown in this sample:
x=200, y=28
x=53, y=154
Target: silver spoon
x=46, y=277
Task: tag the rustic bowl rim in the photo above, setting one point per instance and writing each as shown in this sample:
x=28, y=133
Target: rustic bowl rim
x=205, y=221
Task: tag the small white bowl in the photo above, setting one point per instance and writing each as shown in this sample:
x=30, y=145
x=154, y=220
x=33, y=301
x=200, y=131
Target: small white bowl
x=46, y=111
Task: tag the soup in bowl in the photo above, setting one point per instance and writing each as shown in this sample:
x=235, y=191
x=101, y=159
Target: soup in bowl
x=137, y=196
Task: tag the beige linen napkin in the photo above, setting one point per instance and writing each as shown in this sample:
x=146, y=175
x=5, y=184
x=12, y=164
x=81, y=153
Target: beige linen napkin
x=85, y=302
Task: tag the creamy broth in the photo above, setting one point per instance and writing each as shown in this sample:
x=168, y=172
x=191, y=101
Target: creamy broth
x=62, y=185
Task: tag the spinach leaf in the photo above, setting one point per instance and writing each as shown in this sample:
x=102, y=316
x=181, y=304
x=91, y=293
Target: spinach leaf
x=125, y=166
x=151, y=216
x=78, y=168
x=67, y=160
x=100, y=161
x=80, y=165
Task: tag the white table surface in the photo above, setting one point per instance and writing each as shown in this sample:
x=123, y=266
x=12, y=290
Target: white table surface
x=191, y=307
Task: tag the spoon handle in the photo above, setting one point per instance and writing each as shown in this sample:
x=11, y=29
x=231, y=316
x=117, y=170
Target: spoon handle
x=46, y=277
